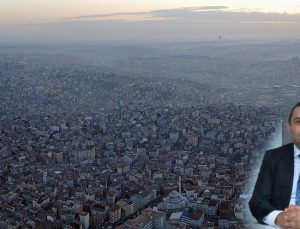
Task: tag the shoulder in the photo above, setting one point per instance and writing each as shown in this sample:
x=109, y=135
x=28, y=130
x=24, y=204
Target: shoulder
x=280, y=150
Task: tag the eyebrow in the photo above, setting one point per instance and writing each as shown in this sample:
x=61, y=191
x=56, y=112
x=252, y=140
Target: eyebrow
x=297, y=118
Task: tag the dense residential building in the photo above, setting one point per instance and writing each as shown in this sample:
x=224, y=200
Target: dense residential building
x=148, y=219
x=114, y=214
x=127, y=206
x=106, y=169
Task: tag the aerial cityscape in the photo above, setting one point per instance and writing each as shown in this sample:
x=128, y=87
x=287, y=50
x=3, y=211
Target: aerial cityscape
x=84, y=146
x=141, y=116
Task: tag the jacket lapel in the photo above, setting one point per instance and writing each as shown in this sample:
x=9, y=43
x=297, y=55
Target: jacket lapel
x=287, y=172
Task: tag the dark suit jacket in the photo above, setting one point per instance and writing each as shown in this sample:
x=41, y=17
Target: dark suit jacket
x=273, y=187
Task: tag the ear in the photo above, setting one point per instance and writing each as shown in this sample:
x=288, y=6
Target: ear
x=288, y=127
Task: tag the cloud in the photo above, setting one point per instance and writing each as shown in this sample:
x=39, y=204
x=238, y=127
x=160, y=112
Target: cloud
x=192, y=23
x=201, y=14
x=156, y=14
x=106, y=15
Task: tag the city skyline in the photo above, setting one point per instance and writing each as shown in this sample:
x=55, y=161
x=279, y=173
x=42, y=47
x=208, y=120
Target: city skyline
x=119, y=21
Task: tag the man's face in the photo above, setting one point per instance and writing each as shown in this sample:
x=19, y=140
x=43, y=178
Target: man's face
x=294, y=126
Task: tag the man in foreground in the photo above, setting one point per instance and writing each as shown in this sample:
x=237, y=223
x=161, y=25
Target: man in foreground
x=276, y=197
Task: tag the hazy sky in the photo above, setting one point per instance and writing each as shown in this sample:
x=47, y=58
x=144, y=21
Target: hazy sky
x=130, y=20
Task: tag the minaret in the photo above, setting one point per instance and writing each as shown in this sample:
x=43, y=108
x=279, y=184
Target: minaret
x=45, y=178
x=179, y=183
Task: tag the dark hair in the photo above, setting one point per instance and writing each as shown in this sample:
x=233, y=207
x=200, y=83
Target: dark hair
x=292, y=110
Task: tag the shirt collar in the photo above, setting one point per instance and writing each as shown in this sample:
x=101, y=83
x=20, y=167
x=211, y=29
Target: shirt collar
x=296, y=151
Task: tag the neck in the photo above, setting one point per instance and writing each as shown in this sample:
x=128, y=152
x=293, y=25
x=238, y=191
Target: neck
x=297, y=145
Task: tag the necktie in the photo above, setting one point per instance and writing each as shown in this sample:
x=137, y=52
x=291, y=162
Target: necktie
x=298, y=190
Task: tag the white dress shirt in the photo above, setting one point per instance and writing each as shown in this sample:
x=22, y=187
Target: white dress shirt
x=270, y=218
